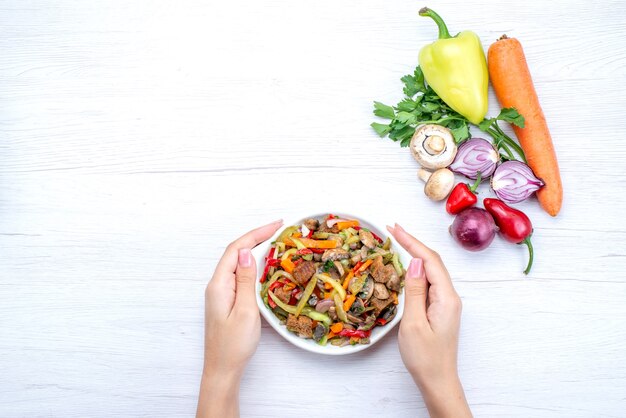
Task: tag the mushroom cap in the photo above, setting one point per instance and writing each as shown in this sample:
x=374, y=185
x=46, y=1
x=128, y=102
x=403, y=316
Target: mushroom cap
x=439, y=184
x=433, y=146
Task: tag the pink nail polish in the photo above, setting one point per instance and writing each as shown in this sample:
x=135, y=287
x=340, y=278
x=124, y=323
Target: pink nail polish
x=416, y=269
x=245, y=258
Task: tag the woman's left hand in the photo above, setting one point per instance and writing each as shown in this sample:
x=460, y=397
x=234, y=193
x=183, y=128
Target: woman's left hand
x=232, y=324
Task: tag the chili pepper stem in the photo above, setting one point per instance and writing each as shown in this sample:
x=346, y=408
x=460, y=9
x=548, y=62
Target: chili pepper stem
x=474, y=186
x=530, y=254
x=443, y=29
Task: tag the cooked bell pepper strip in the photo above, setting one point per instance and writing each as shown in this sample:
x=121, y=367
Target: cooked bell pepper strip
x=346, y=281
x=316, y=316
x=357, y=266
x=341, y=314
x=341, y=225
x=462, y=87
x=336, y=327
x=334, y=283
x=364, y=266
x=395, y=261
x=288, y=265
x=394, y=295
x=376, y=237
x=269, y=262
x=294, y=296
x=314, y=243
x=381, y=321
x=328, y=295
x=308, y=291
x=299, y=244
x=289, y=285
x=349, y=301
x=354, y=333
x=287, y=232
x=272, y=287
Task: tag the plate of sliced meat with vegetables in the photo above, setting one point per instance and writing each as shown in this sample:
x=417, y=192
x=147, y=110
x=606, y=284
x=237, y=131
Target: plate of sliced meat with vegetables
x=331, y=283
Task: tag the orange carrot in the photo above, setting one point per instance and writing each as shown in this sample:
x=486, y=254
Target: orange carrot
x=349, y=301
x=364, y=266
x=313, y=243
x=336, y=327
x=513, y=85
x=341, y=225
x=346, y=281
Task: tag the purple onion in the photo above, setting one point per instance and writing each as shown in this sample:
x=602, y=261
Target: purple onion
x=474, y=155
x=324, y=305
x=514, y=181
x=473, y=229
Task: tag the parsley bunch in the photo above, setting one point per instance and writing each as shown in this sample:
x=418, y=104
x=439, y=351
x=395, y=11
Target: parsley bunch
x=421, y=105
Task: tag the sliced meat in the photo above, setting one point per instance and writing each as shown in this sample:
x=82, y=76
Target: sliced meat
x=302, y=325
x=335, y=254
x=367, y=238
x=380, y=291
x=379, y=305
x=383, y=273
x=303, y=272
x=282, y=294
x=324, y=228
x=312, y=224
x=394, y=282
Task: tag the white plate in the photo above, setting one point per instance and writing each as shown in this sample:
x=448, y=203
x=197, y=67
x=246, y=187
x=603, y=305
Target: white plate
x=308, y=344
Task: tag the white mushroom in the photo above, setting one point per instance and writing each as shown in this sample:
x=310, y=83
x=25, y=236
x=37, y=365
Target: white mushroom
x=433, y=146
x=439, y=184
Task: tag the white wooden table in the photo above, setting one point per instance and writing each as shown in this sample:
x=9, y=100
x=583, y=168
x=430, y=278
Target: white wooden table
x=138, y=138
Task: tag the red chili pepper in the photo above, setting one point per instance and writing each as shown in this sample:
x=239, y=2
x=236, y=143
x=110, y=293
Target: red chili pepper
x=376, y=237
x=381, y=321
x=514, y=225
x=462, y=196
x=354, y=333
x=270, y=261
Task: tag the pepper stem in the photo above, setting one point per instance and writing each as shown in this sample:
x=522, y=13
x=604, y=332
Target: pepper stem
x=474, y=186
x=530, y=254
x=443, y=29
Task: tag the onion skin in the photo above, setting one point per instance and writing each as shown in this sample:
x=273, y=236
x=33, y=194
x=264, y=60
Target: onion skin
x=474, y=229
x=474, y=155
x=514, y=182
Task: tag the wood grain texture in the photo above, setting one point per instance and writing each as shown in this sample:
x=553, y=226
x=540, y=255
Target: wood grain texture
x=138, y=138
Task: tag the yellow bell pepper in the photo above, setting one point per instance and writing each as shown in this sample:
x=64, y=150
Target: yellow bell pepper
x=456, y=68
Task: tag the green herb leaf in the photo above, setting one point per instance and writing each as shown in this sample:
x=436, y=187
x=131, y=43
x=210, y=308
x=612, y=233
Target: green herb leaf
x=511, y=115
x=380, y=128
x=460, y=130
x=411, y=86
x=407, y=105
x=406, y=118
x=328, y=265
x=384, y=111
x=486, y=124
x=419, y=78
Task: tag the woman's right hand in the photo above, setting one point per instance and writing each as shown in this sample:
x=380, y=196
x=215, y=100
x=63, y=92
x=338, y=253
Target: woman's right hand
x=429, y=330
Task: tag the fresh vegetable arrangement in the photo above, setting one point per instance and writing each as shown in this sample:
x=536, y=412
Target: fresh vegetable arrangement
x=444, y=97
x=332, y=280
